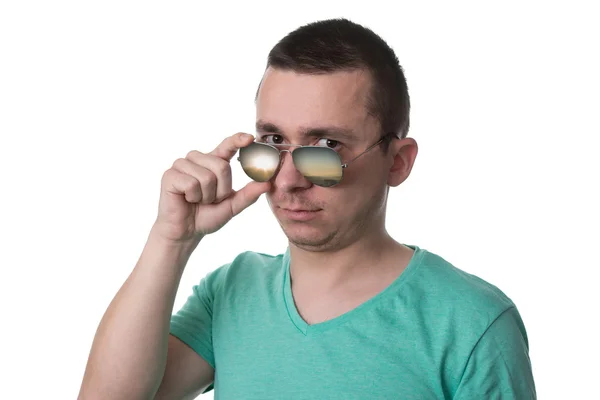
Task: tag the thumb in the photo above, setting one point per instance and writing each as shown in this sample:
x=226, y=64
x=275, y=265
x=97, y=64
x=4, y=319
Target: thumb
x=247, y=196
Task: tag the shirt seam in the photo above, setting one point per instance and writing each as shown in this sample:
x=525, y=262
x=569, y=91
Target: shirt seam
x=479, y=341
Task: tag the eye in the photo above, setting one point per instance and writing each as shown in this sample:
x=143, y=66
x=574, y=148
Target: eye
x=332, y=144
x=276, y=139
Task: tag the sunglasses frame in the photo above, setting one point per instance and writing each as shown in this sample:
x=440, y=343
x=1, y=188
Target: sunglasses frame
x=343, y=165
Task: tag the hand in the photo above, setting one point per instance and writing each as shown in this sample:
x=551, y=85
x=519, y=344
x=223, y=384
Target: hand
x=196, y=196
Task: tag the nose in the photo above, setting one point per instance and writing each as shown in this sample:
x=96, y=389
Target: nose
x=289, y=178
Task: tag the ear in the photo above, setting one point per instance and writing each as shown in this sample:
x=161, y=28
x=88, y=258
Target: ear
x=402, y=155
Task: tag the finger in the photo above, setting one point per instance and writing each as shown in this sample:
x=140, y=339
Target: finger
x=228, y=147
x=179, y=183
x=207, y=179
x=217, y=166
x=247, y=196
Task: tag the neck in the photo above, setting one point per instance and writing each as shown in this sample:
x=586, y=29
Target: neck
x=332, y=269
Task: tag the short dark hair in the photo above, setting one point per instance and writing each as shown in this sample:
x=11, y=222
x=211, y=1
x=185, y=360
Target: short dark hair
x=340, y=44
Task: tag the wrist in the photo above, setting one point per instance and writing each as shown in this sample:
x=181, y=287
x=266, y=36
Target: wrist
x=181, y=250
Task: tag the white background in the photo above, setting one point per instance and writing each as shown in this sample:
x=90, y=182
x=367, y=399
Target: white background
x=98, y=99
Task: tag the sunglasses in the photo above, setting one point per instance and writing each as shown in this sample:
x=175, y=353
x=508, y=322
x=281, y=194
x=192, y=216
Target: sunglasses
x=320, y=165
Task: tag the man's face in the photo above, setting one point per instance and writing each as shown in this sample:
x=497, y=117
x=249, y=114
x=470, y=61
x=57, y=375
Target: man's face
x=288, y=105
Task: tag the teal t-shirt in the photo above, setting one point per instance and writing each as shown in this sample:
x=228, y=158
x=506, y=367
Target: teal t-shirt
x=436, y=332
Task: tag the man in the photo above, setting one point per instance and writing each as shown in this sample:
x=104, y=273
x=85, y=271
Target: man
x=346, y=312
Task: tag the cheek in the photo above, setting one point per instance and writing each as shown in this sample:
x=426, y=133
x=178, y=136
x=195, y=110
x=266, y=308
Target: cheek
x=363, y=177
x=347, y=201
x=363, y=188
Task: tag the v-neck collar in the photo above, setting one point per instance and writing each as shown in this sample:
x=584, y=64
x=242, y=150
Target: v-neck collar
x=307, y=329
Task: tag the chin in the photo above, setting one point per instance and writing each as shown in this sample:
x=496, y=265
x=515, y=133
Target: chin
x=309, y=237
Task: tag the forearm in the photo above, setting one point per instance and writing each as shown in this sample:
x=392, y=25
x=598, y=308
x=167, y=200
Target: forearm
x=128, y=355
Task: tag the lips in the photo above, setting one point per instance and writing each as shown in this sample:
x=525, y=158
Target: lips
x=299, y=214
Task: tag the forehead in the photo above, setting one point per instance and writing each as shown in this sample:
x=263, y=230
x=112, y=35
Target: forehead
x=290, y=100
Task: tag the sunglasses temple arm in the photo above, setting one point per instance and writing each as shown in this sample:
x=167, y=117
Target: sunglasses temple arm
x=345, y=165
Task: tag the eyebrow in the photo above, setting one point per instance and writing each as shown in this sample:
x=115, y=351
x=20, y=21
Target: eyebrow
x=332, y=132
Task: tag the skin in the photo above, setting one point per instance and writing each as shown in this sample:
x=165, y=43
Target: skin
x=345, y=253
x=338, y=260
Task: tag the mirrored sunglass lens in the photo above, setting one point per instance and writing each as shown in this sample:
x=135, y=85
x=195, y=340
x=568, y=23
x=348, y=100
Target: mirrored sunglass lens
x=259, y=161
x=320, y=165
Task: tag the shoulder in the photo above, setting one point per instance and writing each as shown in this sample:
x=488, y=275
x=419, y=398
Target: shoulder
x=474, y=318
x=444, y=283
x=459, y=303
x=245, y=269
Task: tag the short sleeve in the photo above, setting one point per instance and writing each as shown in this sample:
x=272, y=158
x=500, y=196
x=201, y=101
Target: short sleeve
x=192, y=324
x=499, y=367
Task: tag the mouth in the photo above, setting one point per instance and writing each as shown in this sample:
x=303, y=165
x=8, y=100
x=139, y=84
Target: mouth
x=299, y=214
